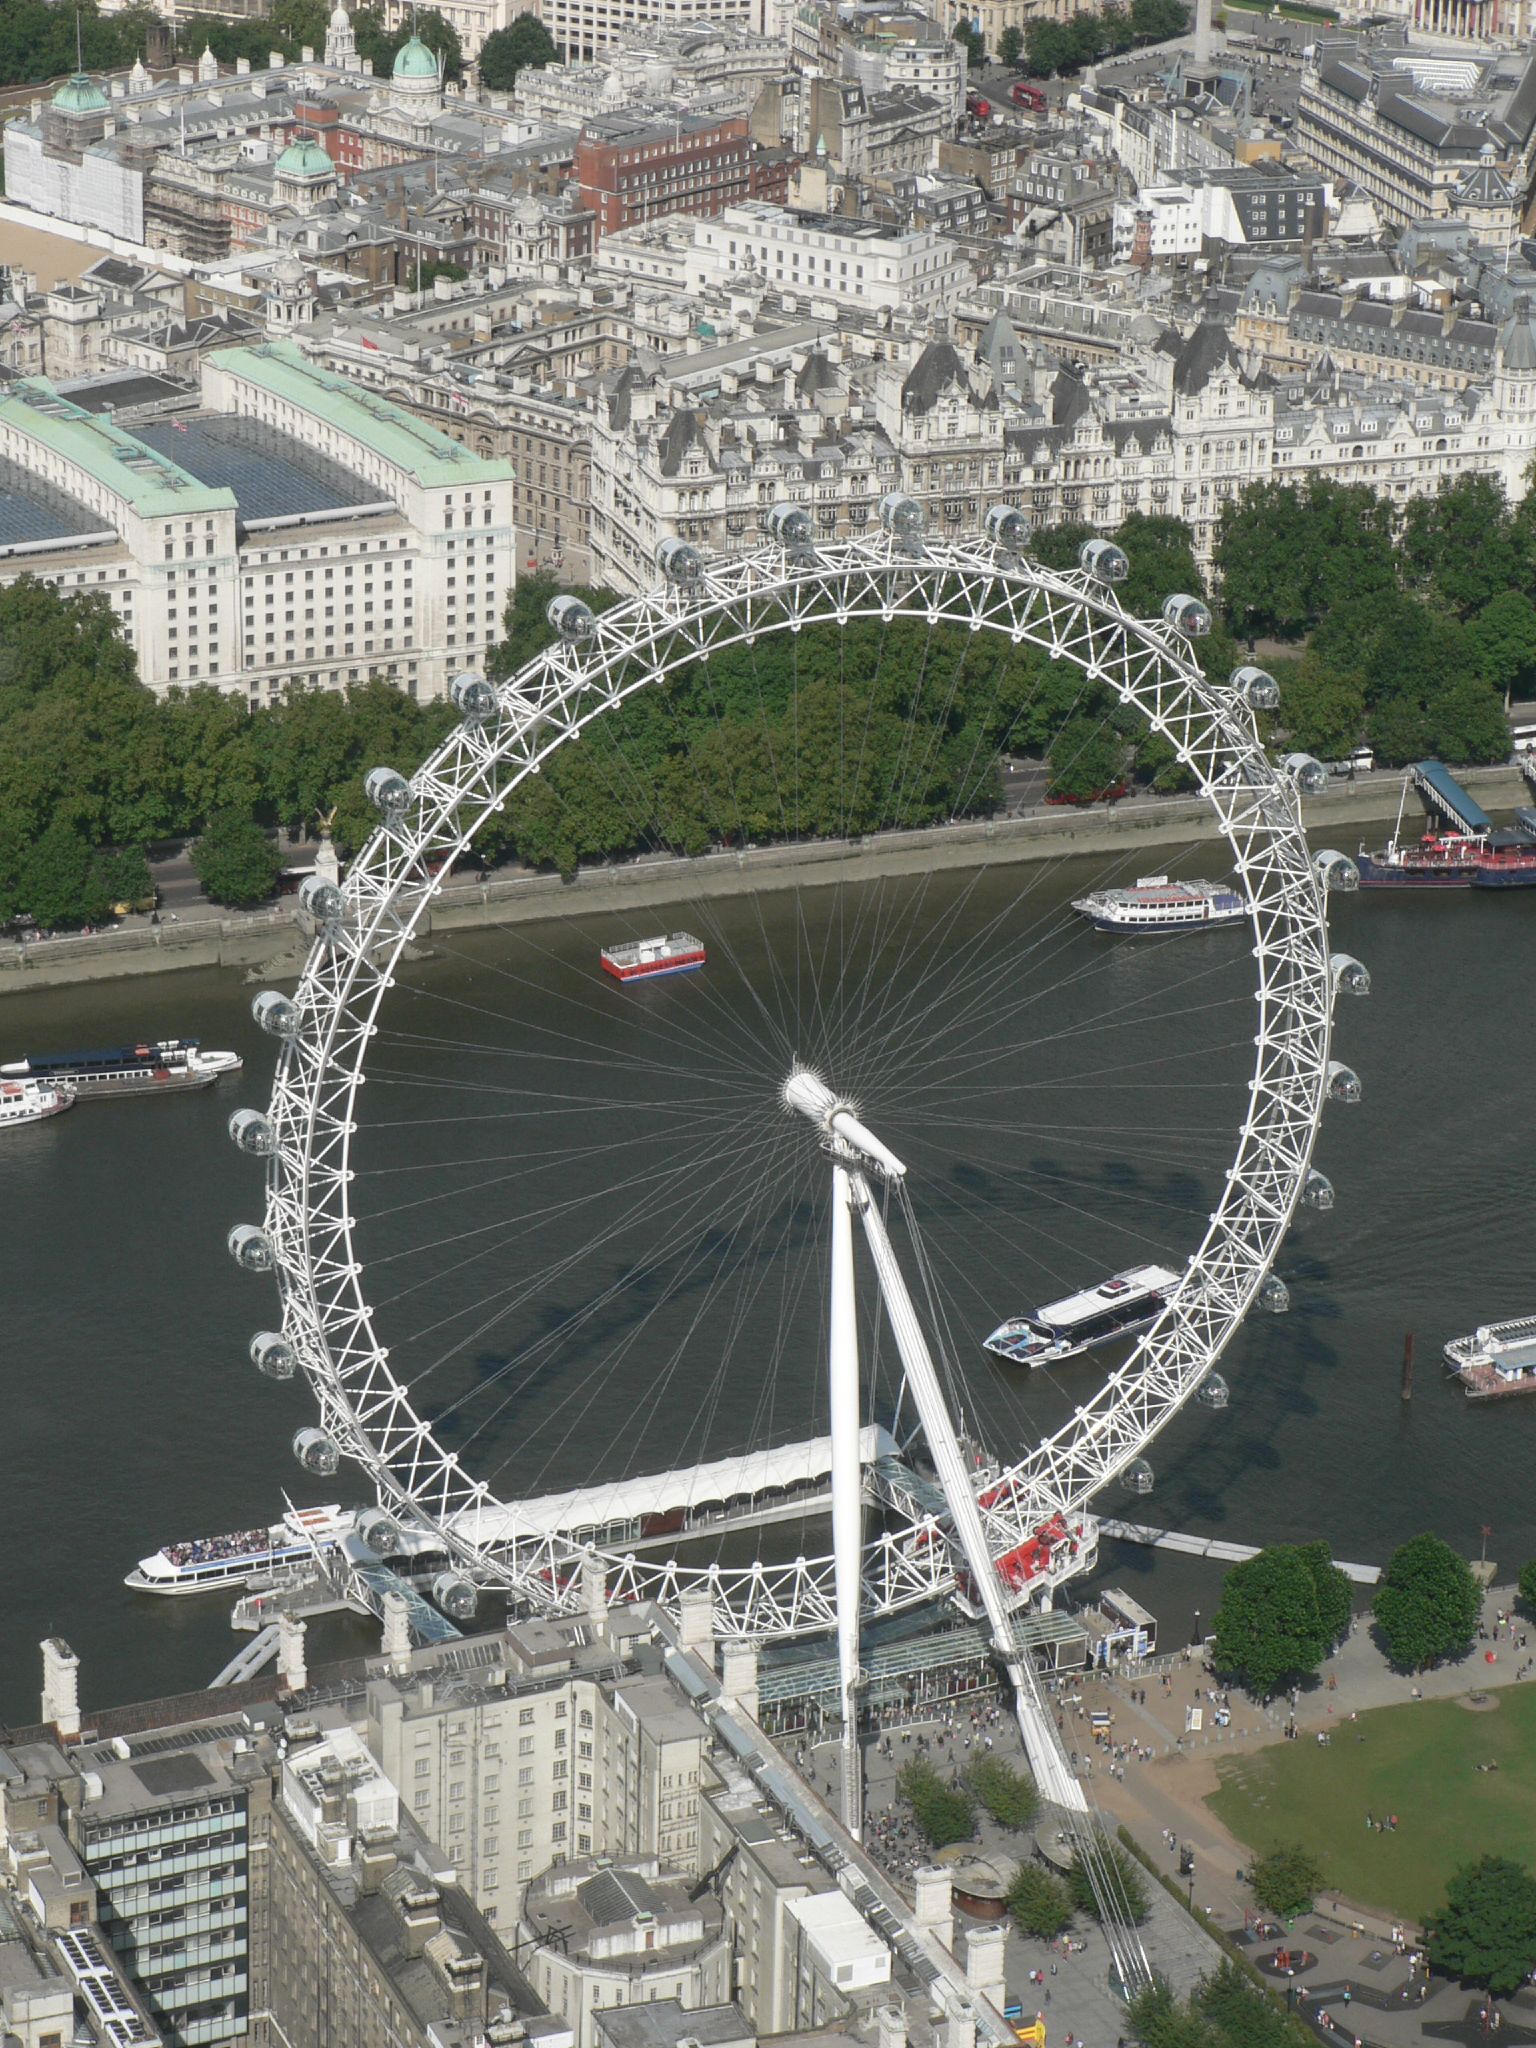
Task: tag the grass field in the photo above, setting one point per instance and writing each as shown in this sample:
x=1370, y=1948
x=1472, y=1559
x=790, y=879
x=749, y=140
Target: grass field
x=1417, y=1761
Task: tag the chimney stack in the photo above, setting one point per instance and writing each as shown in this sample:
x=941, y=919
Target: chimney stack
x=291, y=1674
x=61, y=1688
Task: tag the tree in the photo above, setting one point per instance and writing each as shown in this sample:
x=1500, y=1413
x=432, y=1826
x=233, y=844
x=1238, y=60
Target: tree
x=235, y=861
x=1322, y=708
x=1127, y=1879
x=59, y=881
x=1485, y=1933
x=1087, y=758
x=1010, y=45
x=1007, y=1795
x=523, y=45
x=968, y=35
x=1039, y=1901
x=1335, y=1596
x=1286, y=1881
x=1288, y=554
x=1460, y=545
x=1528, y=1586
x=1427, y=1604
x=1268, y=1629
x=1501, y=643
x=942, y=1810
x=125, y=877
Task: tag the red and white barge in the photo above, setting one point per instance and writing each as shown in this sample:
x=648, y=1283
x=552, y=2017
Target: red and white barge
x=645, y=959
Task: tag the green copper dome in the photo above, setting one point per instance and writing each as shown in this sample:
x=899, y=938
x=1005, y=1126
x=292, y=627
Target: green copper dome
x=80, y=95
x=304, y=159
x=415, y=60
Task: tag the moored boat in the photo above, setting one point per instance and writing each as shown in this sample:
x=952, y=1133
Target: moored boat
x=1498, y=1358
x=164, y=1066
x=207, y=1564
x=1157, y=904
x=647, y=959
x=1117, y=1307
x=29, y=1102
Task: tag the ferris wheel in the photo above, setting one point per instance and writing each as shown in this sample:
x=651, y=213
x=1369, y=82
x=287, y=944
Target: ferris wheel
x=900, y=1537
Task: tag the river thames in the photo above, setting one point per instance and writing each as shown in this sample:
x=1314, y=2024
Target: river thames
x=1063, y=1101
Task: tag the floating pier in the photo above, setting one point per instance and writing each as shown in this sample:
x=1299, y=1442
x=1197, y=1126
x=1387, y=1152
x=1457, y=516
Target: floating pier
x=1215, y=1548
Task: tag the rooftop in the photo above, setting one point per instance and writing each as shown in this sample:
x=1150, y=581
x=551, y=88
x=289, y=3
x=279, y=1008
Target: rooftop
x=667, y=2024
x=32, y=511
x=153, y=485
x=386, y=430
x=273, y=475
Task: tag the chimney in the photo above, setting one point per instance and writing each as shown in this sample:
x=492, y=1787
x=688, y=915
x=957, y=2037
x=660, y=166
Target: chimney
x=376, y=1858
x=738, y=1675
x=594, y=1589
x=696, y=1621
x=986, y=1950
x=960, y=2025
x=935, y=1909
x=417, y=1905
x=397, y=1631
x=891, y=2027
x=291, y=1674
x=61, y=1688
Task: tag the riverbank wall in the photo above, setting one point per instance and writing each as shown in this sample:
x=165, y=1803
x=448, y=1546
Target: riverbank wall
x=271, y=938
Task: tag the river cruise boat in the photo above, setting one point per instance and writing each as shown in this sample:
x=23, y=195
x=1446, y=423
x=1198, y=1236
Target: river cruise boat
x=1080, y=1322
x=646, y=959
x=28, y=1102
x=1497, y=1359
x=207, y=1564
x=163, y=1066
x=1157, y=904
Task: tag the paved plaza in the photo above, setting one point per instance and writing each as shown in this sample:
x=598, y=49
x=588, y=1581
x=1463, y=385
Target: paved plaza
x=1354, y=1979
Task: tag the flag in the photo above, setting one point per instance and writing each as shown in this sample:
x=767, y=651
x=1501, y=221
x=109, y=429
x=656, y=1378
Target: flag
x=180, y=426
x=370, y=344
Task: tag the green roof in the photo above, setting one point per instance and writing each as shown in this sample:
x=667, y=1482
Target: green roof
x=305, y=159
x=433, y=459
x=415, y=60
x=150, y=482
x=80, y=95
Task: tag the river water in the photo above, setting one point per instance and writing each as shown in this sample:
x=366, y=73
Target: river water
x=594, y=1240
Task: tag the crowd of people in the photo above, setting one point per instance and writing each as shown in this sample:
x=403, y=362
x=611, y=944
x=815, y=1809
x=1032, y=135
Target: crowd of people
x=214, y=1549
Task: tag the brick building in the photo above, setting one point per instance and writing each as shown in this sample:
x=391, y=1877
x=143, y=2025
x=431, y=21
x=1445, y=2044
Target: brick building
x=631, y=168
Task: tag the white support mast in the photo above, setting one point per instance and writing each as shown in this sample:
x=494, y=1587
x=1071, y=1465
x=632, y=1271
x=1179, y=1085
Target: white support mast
x=847, y=1492
x=856, y=1155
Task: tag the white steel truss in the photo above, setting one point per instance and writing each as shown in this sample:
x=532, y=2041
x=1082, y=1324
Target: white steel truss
x=368, y=1412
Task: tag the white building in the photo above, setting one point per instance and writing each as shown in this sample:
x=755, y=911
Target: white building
x=586, y=28
x=825, y=258
x=351, y=539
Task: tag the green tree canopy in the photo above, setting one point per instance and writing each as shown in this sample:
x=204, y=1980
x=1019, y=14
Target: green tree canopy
x=1087, y=757
x=941, y=1808
x=1007, y=1795
x=1427, y=1604
x=1289, y=554
x=523, y=45
x=1039, y=1901
x=1335, y=1596
x=60, y=881
x=235, y=861
x=1501, y=644
x=1286, y=1881
x=1485, y=1933
x=1322, y=707
x=1010, y=45
x=1528, y=1586
x=1270, y=1629
x=970, y=39
x=1460, y=544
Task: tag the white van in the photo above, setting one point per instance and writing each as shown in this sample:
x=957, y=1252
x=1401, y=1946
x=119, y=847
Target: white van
x=1522, y=739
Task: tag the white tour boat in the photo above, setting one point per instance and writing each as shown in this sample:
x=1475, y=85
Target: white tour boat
x=156, y=1066
x=28, y=1102
x=207, y=1564
x=1079, y=1322
x=1157, y=904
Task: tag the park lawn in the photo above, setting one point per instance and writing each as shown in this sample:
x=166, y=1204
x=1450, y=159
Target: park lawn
x=1417, y=1761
